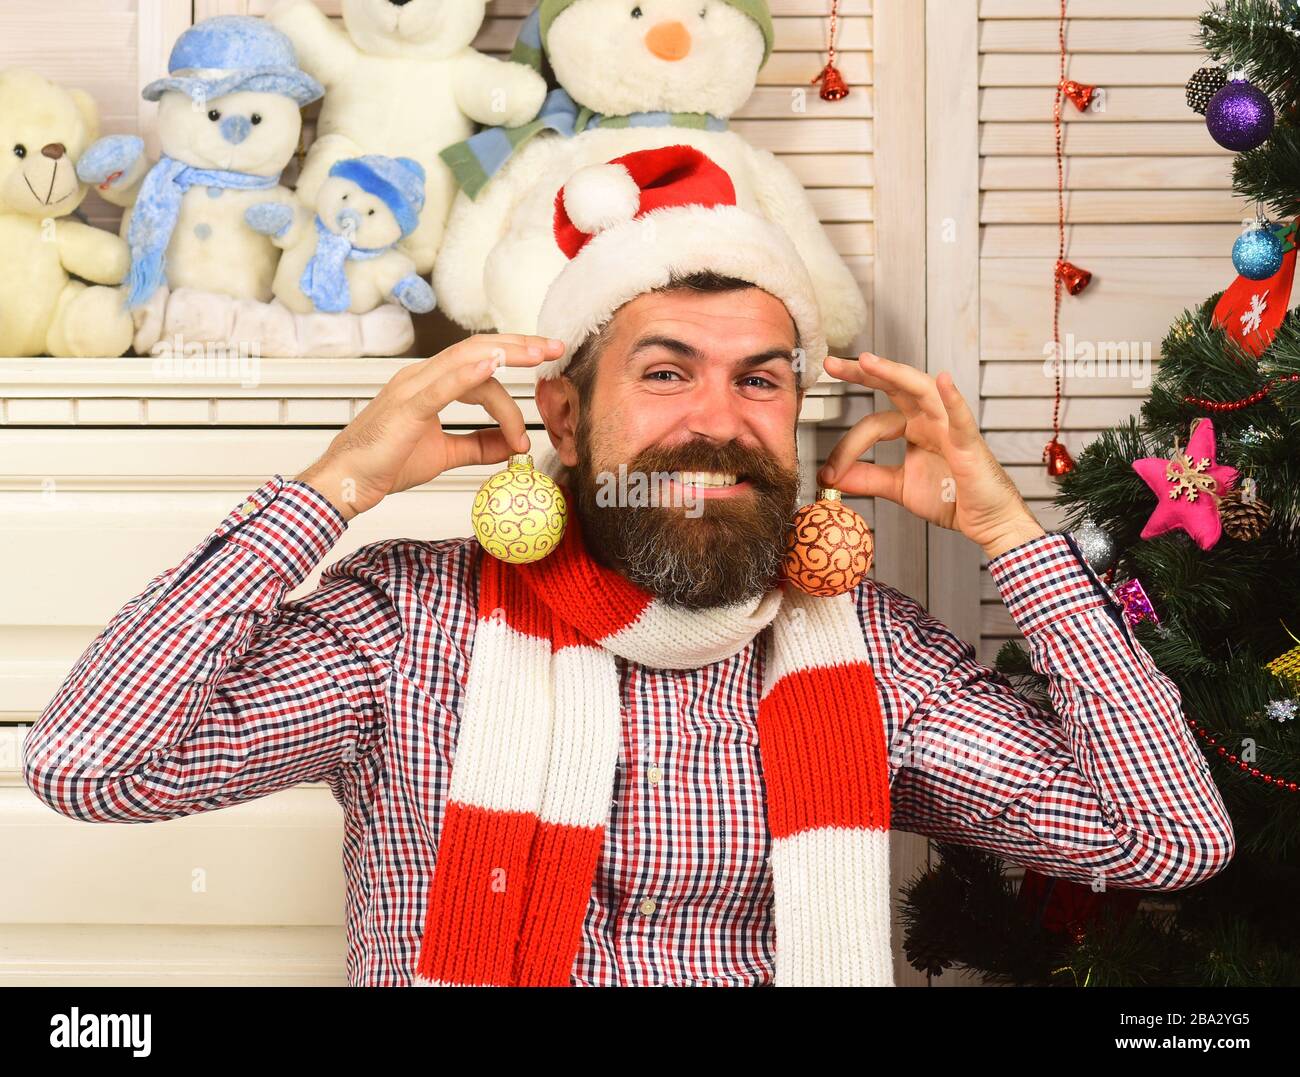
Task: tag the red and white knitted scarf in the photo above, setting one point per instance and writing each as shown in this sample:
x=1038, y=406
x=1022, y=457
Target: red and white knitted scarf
x=533, y=773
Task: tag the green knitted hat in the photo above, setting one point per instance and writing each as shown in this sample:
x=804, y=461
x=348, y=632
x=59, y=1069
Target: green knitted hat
x=755, y=9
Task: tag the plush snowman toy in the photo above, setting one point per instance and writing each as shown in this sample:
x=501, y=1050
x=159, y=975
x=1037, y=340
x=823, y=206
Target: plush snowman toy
x=229, y=121
x=343, y=257
x=633, y=75
x=402, y=80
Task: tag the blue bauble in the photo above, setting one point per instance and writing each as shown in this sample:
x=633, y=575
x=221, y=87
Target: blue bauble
x=1240, y=116
x=1257, y=254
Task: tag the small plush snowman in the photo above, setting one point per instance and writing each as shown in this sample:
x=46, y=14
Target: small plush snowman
x=402, y=79
x=633, y=75
x=344, y=256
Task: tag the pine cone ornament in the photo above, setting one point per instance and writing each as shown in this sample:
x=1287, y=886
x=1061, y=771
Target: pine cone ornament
x=926, y=956
x=1244, y=519
x=1203, y=85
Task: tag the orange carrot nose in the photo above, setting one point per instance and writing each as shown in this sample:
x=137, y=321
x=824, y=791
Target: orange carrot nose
x=668, y=40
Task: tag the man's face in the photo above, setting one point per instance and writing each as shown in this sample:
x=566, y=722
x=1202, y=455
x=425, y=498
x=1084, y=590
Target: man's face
x=695, y=397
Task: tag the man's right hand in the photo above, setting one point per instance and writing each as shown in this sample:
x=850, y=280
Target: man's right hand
x=397, y=442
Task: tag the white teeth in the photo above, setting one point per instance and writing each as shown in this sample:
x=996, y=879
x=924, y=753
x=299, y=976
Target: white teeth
x=708, y=478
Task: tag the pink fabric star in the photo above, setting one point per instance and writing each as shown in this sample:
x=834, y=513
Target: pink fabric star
x=1198, y=516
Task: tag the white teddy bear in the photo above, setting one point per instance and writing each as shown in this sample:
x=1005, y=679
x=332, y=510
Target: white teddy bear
x=402, y=80
x=229, y=121
x=343, y=257
x=633, y=75
x=44, y=128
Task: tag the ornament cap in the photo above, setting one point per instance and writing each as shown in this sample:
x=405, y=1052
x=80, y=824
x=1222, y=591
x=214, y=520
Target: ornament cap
x=828, y=493
x=520, y=461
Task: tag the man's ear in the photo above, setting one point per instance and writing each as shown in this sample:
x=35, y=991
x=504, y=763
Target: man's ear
x=557, y=401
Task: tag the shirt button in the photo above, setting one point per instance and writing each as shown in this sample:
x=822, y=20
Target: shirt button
x=648, y=907
x=654, y=775
x=248, y=508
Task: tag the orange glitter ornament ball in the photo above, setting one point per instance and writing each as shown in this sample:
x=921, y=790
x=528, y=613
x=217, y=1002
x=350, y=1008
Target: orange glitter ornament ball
x=829, y=547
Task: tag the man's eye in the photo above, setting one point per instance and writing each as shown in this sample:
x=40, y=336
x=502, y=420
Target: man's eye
x=656, y=373
x=763, y=383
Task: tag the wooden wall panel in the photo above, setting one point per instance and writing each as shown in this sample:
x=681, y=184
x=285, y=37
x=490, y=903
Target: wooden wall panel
x=1149, y=209
x=109, y=48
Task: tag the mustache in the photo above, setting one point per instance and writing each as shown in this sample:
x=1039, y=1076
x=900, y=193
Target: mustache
x=745, y=462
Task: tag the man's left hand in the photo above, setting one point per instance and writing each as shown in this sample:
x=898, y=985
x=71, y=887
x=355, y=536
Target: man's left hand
x=949, y=476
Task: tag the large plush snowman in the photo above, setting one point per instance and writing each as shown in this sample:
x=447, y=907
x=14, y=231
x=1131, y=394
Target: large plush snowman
x=229, y=120
x=633, y=75
x=402, y=80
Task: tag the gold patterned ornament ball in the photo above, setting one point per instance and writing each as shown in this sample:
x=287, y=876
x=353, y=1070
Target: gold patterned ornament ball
x=829, y=547
x=519, y=513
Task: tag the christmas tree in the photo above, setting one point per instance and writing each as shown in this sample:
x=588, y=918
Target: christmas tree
x=1193, y=515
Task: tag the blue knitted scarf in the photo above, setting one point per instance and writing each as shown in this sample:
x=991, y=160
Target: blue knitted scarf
x=325, y=281
x=154, y=217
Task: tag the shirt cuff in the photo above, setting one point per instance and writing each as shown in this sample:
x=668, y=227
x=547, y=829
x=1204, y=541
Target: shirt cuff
x=287, y=523
x=1046, y=579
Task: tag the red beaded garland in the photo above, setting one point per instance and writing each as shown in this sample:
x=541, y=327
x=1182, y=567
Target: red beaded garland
x=1244, y=402
x=1255, y=772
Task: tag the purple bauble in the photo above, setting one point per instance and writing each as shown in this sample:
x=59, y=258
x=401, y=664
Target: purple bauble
x=1240, y=116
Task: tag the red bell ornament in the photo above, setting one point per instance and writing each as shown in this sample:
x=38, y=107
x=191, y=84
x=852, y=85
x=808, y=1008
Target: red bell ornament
x=829, y=547
x=1078, y=92
x=1074, y=278
x=1057, y=458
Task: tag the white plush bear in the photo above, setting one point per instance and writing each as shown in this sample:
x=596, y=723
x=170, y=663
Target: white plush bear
x=44, y=129
x=633, y=75
x=402, y=80
x=343, y=256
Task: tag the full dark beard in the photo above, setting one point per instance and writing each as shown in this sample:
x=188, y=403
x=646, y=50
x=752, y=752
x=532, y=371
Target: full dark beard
x=697, y=554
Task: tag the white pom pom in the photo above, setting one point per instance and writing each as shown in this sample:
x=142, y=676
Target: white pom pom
x=600, y=196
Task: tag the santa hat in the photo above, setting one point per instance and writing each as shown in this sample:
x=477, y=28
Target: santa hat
x=629, y=224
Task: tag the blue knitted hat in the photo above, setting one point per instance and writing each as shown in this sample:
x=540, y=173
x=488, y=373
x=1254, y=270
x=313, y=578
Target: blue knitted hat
x=226, y=53
x=398, y=181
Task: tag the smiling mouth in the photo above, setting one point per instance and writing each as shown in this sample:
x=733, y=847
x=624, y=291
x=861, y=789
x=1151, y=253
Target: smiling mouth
x=712, y=483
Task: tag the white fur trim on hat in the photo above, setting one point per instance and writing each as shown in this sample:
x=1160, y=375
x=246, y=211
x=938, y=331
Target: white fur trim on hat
x=634, y=257
x=600, y=196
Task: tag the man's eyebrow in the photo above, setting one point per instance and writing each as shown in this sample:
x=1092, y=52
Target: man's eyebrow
x=689, y=351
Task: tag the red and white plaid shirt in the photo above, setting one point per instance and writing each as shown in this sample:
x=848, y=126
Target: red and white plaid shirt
x=209, y=689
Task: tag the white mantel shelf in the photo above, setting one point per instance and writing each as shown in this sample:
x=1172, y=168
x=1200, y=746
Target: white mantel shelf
x=281, y=392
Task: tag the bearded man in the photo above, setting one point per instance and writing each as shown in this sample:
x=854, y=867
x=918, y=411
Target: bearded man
x=642, y=759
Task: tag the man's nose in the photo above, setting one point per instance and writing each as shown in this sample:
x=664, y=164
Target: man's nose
x=713, y=413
